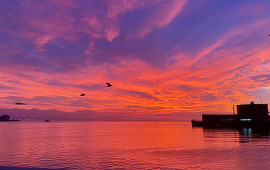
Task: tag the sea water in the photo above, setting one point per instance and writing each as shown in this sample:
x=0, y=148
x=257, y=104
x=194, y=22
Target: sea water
x=130, y=145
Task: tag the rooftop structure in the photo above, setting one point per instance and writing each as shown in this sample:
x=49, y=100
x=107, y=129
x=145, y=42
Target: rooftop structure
x=4, y=118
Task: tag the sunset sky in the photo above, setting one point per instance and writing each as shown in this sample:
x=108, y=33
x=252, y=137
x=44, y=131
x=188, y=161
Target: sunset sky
x=165, y=59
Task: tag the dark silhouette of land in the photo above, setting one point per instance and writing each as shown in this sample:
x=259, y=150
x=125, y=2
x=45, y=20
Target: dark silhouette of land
x=6, y=118
x=108, y=84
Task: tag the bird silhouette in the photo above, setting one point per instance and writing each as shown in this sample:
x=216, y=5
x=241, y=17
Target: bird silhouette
x=20, y=104
x=108, y=84
x=82, y=94
x=268, y=34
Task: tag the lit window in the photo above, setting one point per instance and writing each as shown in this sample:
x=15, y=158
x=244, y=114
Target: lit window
x=245, y=120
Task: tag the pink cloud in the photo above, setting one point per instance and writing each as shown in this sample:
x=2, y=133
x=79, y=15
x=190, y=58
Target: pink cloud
x=54, y=24
x=112, y=30
x=116, y=8
x=162, y=16
x=253, y=9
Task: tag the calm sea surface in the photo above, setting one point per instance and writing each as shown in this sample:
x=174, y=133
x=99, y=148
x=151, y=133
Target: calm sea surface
x=130, y=145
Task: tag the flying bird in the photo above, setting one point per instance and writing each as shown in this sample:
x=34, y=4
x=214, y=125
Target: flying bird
x=108, y=84
x=20, y=104
x=268, y=34
x=82, y=94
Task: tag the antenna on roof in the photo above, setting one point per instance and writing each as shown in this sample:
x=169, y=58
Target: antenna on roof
x=233, y=110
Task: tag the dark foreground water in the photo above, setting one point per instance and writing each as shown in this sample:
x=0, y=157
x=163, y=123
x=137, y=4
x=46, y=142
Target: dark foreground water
x=130, y=145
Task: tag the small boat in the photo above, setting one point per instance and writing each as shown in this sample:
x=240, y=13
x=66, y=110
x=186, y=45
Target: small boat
x=46, y=120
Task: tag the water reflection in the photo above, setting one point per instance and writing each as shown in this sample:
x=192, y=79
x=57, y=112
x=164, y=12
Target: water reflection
x=253, y=134
x=130, y=145
x=242, y=135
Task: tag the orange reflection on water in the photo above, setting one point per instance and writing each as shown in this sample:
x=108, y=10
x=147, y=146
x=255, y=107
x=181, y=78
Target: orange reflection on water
x=128, y=145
